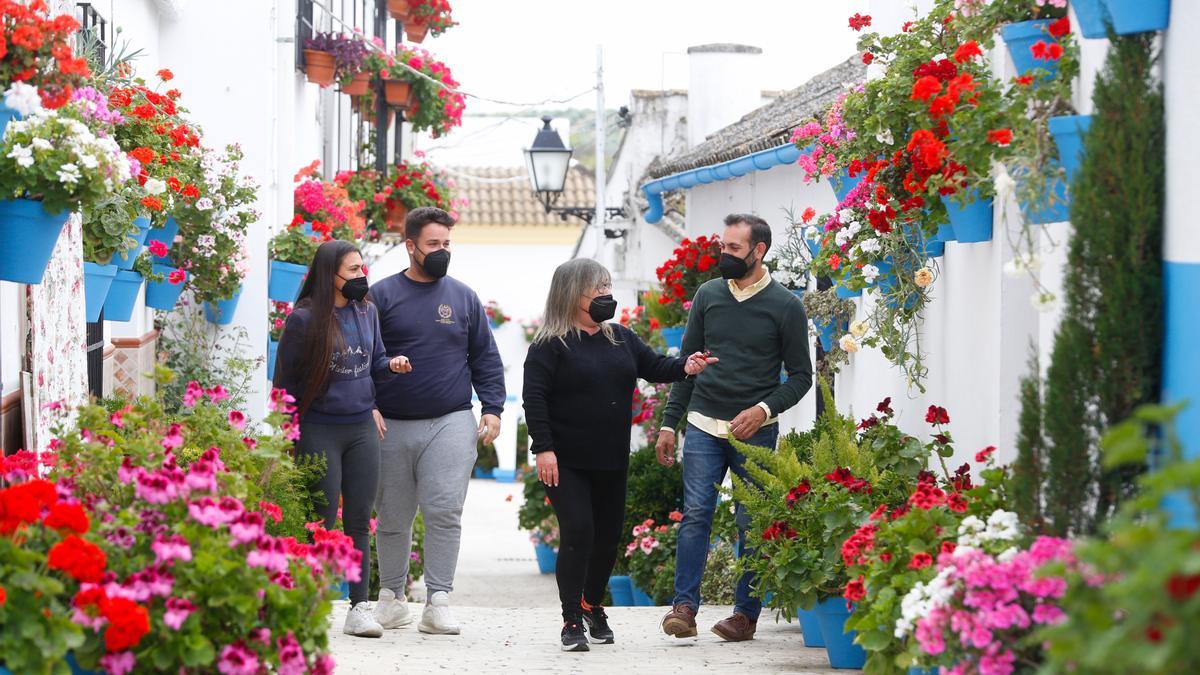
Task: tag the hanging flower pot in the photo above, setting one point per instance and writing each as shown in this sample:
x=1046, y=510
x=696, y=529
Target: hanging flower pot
x=416, y=31
x=621, y=589
x=221, y=312
x=1021, y=38
x=673, y=336
x=286, y=279
x=7, y=115
x=272, y=351
x=165, y=294
x=97, y=279
x=844, y=185
x=547, y=557
x=971, y=223
x=845, y=292
x=124, y=259
x=397, y=93
x=1068, y=132
x=359, y=85
x=839, y=644
x=830, y=332
x=122, y=296
x=1090, y=15
x=886, y=285
x=319, y=67
x=1138, y=16
x=1045, y=213
x=810, y=626
x=399, y=9
x=29, y=234
x=166, y=234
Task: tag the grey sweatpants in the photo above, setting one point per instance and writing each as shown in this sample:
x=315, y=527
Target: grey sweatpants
x=425, y=463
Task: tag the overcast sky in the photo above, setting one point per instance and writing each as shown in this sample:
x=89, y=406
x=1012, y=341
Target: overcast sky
x=527, y=51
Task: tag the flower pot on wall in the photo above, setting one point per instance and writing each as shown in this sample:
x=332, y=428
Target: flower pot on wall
x=124, y=259
x=97, y=279
x=163, y=294
x=547, y=557
x=1068, y=132
x=122, y=296
x=272, y=351
x=673, y=336
x=971, y=223
x=844, y=292
x=394, y=216
x=829, y=333
x=29, y=234
x=810, y=625
x=319, y=67
x=1090, y=15
x=286, y=279
x=222, y=311
x=1045, y=213
x=166, y=234
x=621, y=589
x=416, y=31
x=359, y=85
x=397, y=92
x=399, y=9
x=1020, y=38
x=844, y=185
x=1138, y=16
x=839, y=644
x=7, y=115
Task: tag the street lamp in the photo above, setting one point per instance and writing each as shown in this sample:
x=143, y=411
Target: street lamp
x=547, y=160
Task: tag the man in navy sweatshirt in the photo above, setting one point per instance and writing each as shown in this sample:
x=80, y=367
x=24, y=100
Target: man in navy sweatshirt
x=429, y=445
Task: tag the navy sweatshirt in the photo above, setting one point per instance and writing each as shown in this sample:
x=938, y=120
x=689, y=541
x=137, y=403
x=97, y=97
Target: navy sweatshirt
x=357, y=364
x=442, y=329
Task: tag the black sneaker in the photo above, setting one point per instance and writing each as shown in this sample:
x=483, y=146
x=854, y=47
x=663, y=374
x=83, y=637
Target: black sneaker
x=573, y=637
x=597, y=626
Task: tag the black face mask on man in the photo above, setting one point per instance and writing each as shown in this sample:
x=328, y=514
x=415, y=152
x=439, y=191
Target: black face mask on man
x=354, y=289
x=602, y=308
x=733, y=267
x=437, y=263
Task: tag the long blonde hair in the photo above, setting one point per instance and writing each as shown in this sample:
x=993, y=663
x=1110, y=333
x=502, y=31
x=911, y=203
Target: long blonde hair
x=572, y=280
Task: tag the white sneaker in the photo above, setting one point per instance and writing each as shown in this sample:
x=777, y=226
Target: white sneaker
x=437, y=619
x=360, y=624
x=390, y=611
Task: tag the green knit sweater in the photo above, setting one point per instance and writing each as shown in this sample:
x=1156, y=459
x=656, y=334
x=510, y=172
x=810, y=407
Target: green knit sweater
x=752, y=339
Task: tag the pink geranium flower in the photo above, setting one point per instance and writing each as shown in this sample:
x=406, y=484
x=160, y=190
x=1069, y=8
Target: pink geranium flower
x=168, y=549
x=178, y=610
x=237, y=659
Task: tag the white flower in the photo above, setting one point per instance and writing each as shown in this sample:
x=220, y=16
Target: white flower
x=42, y=144
x=923, y=277
x=870, y=273
x=68, y=173
x=23, y=98
x=155, y=186
x=848, y=344
x=885, y=137
x=1044, y=302
x=843, y=235
x=854, y=227
x=858, y=328
x=203, y=204
x=88, y=161
x=870, y=245
x=845, y=215
x=23, y=155
x=1003, y=183
x=247, y=183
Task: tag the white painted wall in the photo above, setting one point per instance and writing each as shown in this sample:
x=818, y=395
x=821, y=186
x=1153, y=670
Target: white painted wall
x=722, y=87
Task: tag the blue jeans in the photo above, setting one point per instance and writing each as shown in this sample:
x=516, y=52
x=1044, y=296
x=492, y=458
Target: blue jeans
x=706, y=458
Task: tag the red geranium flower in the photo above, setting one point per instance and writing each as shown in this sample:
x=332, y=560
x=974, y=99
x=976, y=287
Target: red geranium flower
x=941, y=106
x=190, y=191
x=925, y=87
x=166, y=75
x=128, y=623
x=808, y=214
x=867, y=58
x=948, y=547
x=1181, y=587
x=920, y=561
x=855, y=590
x=967, y=51
x=152, y=203
x=157, y=248
x=957, y=502
x=71, y=517
x=177, y=277
x=982, y=455
x=860, y=21
x=28, y=37
x=82, y=560
x=1060, y=27
x=1054, y=52
x=937, y=415
x=1000, y=136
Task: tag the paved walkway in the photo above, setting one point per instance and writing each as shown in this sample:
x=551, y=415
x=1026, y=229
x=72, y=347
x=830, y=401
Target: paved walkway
x=511, y=621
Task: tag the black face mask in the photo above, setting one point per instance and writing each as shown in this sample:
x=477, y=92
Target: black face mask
x=733, y=267
x=437, y=263
x=602, y=308
x=354, y=289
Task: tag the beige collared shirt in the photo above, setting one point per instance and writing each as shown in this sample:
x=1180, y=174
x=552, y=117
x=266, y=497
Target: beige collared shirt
x=720, y=428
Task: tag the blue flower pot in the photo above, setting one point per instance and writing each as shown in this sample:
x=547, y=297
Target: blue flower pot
x=971, y=223
x=810, y=625
x=97, y=279
x=344, y=589
x=166, y=234
x=830, y=333
x=932, y=246
x=547, y=558
x=29, y=234
x=842, y=291
x=921, y=671
x=1020, y=38
x=482, y=473
x=945, y=233
x=886, y=285
x=272, y=352
x=286, y=279
x=1068, y=132
x=640, y=598
x=673, y=337
x=221, y=312
x=7, y=115
x=163, y=294
x=124, y=259
x=122, y=296
x=621, y=590
x=843, y=184
x=77, y=669
x=1090, y=15
x=1057, y=213
x=1138, y=16
x=839, y=645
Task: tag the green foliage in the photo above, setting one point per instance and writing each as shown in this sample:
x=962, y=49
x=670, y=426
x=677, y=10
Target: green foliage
x=536, y=507
x=1029, y=469
x=192, y=349
x=108, y=226
x=1142, y=617
x=293, y=245
x=653, y=492
x=1107, y=353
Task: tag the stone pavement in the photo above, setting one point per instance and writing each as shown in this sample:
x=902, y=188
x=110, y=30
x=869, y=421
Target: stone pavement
x=511, y=622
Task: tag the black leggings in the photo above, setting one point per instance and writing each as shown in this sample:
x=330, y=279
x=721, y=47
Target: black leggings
x=351, y=454
x=590, y=505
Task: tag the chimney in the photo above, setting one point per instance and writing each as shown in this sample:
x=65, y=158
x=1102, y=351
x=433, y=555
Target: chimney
x=724, y=83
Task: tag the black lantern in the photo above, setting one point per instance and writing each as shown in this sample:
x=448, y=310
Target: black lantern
x=548, y=160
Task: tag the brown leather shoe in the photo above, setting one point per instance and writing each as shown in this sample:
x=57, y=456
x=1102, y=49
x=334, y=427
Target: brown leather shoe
x=737, y=628
x=680, y=622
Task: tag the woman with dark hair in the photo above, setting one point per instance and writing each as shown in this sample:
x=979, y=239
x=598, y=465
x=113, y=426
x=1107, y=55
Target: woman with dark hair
x=580, y=374
x=329, y=356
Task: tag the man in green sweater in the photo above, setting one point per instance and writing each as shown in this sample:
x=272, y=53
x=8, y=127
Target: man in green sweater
x=752, y=324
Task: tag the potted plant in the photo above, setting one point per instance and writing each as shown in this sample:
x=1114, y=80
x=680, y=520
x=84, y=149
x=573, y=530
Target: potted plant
x=276, y=320
x=399, y=9
x=496, y=316
x=349, y=55
x=536, y=516
x=428, y=17
x=692, y=263
x=291, y=253
x=48, y=42
x=165, y=283
x=328, y=203
x=434, y=106
x=320, y=64
x=792, y=261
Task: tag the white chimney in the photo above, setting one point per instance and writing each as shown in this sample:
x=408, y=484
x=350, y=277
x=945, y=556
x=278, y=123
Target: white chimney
x=724, y=83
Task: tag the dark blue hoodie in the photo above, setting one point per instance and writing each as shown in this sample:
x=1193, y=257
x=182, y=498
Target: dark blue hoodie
x=356, y=364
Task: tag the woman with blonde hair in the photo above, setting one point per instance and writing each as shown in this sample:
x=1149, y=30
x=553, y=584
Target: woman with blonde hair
x=580, y=376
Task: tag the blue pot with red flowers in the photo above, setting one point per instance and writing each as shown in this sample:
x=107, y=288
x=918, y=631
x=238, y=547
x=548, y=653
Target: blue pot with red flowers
x=165, y=294
x=839, y=644
x=1138, y=16
x=843, y=184
x=166, y=234
x=1029, y=43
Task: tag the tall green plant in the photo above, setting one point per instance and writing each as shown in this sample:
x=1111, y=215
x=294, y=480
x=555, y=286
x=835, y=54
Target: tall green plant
x=1107, y=351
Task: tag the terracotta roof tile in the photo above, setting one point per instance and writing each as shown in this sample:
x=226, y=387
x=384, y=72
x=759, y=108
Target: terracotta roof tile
x=512, y=202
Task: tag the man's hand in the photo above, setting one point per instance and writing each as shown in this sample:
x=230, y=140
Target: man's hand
x=665, y=447
x=400, y=364
x=379, y=425
x=748, y=422
x=489, y=428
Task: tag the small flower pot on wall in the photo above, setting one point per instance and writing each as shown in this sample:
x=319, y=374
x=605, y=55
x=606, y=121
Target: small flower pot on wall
x=844, y=184
x=1138, y=16
x=1021, y=37
x=123, y=296
x=286, y=279
x=399, y=9
x=124, y=259
x=1068, y=132
x=359, y=85
x=830, y=332
x=97, y=279
x=1090, y=14
x=971, y=223
x=222, y=311
x=29, y=234
x=166, y=234
x=397, y=93
x=163, y=294
x=416, y=31
x=1046, y=213
x=319, y=67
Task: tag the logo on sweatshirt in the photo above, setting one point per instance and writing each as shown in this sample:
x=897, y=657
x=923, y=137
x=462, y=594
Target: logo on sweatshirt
x=445, y=313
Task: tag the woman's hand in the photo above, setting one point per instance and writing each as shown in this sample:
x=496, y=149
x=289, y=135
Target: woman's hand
x=547, y=467
x=696, y=363
x=400, y=364
x=379, y=425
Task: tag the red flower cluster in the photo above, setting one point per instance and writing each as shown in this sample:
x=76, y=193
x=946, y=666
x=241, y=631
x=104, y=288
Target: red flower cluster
x=691, y=264
x=38, y=51
x=867, y=58
x=858, y=545
x=937, y=415
x=967, y=51
x=1000, y=137
x=842, y=476
x=942, y=70
x=983, y=455
x=777, y=530
x=927, y=495
x=82, y=560
x=1060, y=27
x=797, y=493
x=1182, y=587
x=856, y=590
x=860, y=21
x=128, y=622
x=1043, y=51
x=920, y=561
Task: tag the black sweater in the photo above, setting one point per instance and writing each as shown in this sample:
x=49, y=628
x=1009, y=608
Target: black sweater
x=578, y=396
